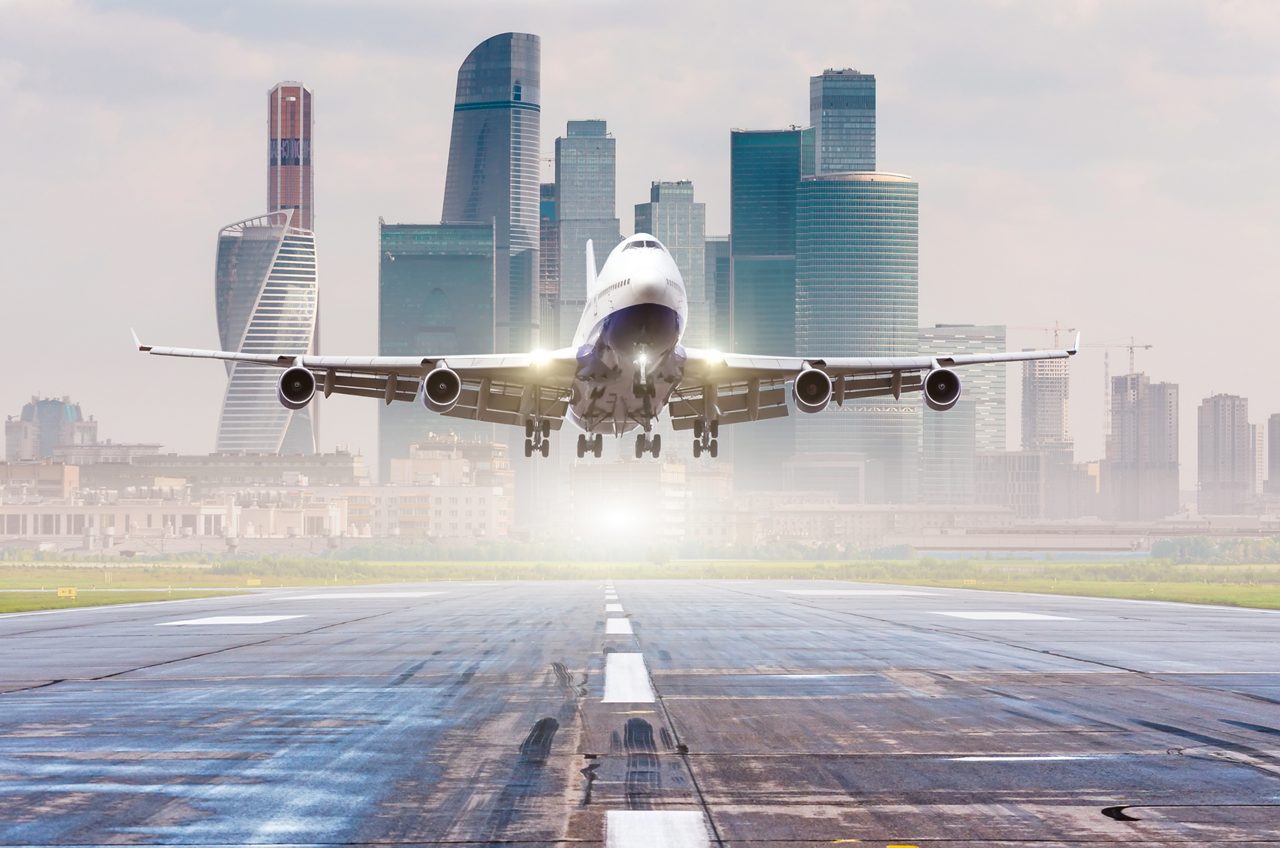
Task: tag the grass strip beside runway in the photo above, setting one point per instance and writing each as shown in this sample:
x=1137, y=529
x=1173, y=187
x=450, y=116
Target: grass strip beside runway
x=30, y=601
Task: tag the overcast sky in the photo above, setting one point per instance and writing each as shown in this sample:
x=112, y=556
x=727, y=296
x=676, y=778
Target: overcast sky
x=1112, y=166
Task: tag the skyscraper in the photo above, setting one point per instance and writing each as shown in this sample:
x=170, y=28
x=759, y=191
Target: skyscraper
x=952, y=439
x=586, y=209
x=681, y=224
x=1272, y=486
x=266, y=296
x=842, y=110
x=717, y=269
x=290, y=120
x=857, y=294
x=548, y=263
x=435, y=294
x=493, y=173
x=1225, y=456
x=1140, y=474
x=1046, y=392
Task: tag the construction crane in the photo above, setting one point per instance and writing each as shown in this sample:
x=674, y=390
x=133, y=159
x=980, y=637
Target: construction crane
x=1057, y=329
x=1106, y=348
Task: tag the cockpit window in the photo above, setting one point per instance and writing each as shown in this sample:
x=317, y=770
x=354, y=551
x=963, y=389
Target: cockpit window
x=642, y=243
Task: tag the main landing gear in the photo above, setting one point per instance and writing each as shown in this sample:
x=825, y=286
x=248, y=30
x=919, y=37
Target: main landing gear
x=537, y=437
x=593, y=445
x=706, y=435
x=651, y=445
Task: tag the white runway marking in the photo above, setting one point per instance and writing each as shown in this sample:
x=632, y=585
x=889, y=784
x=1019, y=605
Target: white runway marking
x=358, y=595
x=655, y=829
x=1031, y=758
x=229, y=619
x=613, y=607
x=626, y=681
x=1006, y=616
x=618, y=627
x=858, y=593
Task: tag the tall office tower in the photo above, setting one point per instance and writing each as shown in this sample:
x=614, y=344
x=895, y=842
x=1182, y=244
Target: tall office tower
x=681, y=224
x=1140, y=474
x=716, y=264
x=857, y=294
x=44, y=425
x=266, y=295
x=290, y=120
x=1046, y=392
x=952, y=439
x=586, y=209
x=1272, y=486
x=493, y=173
x=548, y=263
x=435, y=293
x=1225, y=456
x=842, y=111
x=1258, y=434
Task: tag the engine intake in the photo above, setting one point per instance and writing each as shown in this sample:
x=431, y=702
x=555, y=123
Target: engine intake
x=440, y=390
x=812, y=390
x=296, y=387
x=941, y=389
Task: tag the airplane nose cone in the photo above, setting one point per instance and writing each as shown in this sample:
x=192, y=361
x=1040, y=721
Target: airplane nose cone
x=651, y=291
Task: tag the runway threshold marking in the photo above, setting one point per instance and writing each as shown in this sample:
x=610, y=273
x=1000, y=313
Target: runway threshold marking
x=618, y=627
x=228, y=619
x=613, y=607
x=1006, y=616
x=357, y=596
x=626, y=680
x=656, y=829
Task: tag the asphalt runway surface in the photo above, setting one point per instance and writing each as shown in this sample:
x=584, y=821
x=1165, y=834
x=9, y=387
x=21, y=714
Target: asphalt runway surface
x=641, y=715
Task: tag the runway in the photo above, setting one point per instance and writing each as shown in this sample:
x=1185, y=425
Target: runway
x=712, y=713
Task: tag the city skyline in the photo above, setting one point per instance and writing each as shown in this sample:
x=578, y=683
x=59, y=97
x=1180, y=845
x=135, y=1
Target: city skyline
x=969, y=208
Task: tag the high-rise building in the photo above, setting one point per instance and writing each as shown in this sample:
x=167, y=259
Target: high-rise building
x=952, y=439
x=586, y=210
x=857, y=294
x=290, y=119
x=1226, y=456
x=1272, y=486
x=716, y=264
x=435, y=294
x=842, y=111
x=493, y=173
x=266, y=295
x=1140, y=475
x=548, y=263
x=1258, y=433
x=43, y=426
x=680, y=223
x=1046, y=394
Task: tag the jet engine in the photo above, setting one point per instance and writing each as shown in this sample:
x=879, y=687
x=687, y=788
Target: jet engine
x=812, y=390
x=440, y=390
x=296, y=387
x=941, y=389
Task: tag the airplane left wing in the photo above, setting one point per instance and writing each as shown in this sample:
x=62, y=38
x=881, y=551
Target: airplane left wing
x=501, y=388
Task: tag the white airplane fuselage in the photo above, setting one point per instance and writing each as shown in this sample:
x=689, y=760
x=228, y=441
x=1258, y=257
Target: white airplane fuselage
x=628, y=340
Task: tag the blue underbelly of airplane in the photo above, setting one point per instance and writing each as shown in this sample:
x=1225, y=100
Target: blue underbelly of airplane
x=626, y=377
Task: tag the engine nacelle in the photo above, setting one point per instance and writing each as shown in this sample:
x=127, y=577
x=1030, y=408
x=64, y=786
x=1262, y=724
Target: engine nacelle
x=941, y=389
x=440, y=390
x=812, y=390
x=296, y=387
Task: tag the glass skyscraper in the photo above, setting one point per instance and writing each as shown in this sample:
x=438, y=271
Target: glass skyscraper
x=493, y=173
x=857, y=294
x=435, y=295
x=586, y=209
x=717, y=270
x=842, y=110
x=266, y=296
x=681, y=224
x=290, y=118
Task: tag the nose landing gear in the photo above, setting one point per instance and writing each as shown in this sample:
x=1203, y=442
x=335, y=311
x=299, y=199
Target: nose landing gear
x=651, y=445
x=593, y=445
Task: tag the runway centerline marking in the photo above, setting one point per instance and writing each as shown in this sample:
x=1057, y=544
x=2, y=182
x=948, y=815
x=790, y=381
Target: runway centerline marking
x=997, y=615
x=859, y=593
x=357, y=596
x=655, y=829
x=1029, y=758
x=215, y=620
x=613, y=607
x=626, y=681
x=618, y=627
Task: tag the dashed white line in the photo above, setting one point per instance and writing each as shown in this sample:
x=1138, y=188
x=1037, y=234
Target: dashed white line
x=613, y=607
x=216, y=620
x=996, y=615
x=626, y=681
x=655, y=829
x=618, y=627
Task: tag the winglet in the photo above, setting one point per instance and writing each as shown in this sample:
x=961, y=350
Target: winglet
x=138, y=342
x=1075, y=348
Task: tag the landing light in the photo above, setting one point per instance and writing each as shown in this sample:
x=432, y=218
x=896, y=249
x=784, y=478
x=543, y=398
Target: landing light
x=540, y=357
x=715, y=357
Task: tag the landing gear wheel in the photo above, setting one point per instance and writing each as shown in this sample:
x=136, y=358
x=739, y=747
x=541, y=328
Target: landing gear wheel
x=597, y=445
x=655, y=445
x=697, y=449
x=582, y=445
x=715, y=430
x=528, y=448
x=713, y=448
x=546, y=429
x=546, y=448
x=697, y=429
x=640, y=446
x=528, y=429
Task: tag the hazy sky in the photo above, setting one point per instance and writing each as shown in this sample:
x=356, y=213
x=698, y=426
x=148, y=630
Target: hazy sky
x=1113, y=166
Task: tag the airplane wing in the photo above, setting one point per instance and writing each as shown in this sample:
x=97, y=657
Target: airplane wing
x=733, y=388
x=501, y=388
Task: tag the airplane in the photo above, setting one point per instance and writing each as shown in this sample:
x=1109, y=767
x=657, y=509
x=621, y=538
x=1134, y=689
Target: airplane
x=625, y=367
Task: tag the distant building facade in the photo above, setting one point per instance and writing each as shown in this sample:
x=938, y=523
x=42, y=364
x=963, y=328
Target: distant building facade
x=586, y=210
x=717, y=270
x=842, y=111
x=1272, y=486
x=436, y=293
x=1225, y=456
x=680, y=223
x=266, y=295
x=548, y=262
x=43, y=426
x=493, y=173
x=290, y=121
x=1140, y=474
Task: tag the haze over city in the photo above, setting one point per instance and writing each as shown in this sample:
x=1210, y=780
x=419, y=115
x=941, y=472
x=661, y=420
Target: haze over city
x=1108, y=166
